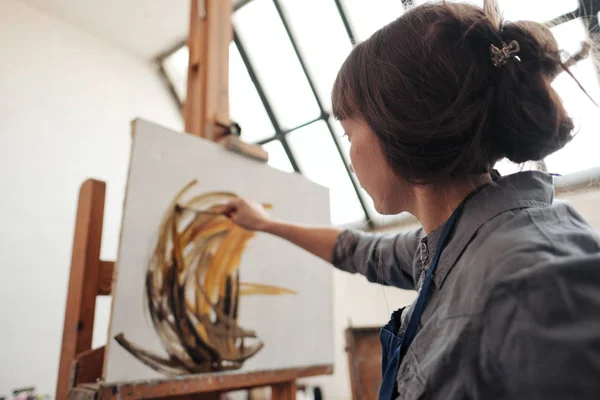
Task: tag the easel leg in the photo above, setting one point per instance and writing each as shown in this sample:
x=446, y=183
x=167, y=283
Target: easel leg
x=83, y=281
x=284, y=391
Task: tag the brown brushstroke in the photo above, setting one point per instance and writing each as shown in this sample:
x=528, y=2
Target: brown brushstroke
x=198, y=251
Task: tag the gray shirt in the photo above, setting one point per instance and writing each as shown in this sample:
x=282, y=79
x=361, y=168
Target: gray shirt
x=514, y=310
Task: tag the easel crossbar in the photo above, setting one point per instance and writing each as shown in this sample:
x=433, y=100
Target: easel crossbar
x=282, y=381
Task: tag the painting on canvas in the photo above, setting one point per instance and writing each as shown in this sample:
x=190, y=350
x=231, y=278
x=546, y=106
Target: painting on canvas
x=195, y=293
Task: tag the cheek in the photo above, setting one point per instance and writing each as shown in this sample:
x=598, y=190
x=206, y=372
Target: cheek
x=356, y=159
x=369, y=166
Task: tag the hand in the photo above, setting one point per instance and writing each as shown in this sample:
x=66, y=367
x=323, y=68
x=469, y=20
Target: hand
x=247, y=214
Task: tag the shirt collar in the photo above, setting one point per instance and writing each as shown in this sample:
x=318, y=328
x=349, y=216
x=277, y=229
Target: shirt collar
x=520, y=190
x=429, y=244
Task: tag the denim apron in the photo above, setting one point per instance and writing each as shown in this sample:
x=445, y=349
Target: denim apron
x=394, y=345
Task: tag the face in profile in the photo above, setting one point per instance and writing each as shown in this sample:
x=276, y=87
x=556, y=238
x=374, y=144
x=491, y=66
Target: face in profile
x=372, y=170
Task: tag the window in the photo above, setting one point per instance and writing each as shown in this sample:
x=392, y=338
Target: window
x=536, y=10
x=264, y=37
x=245, y=105
x=324, y=50
x=582, y=152
x=319, y=160
x=284, y=61
x=277, y=156
x=176, y=69
x=366, y=17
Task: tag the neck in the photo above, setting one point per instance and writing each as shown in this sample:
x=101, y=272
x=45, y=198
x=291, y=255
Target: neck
x=434, y=204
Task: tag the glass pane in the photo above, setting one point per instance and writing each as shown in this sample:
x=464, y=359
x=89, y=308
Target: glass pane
x=272, y=55
x=323, y=51
x=478, y=3
x=582, y=152
x=506, y=167
x=338, y=130
x=277, y=156
x=245, y=105
x=366, y=17
x=319, y=161
x=536, y=10
x=176, y=66
x=533, y=10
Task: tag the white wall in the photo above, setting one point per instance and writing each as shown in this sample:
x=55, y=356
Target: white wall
x=359, y=303
x=66, y=101
x=586, y=202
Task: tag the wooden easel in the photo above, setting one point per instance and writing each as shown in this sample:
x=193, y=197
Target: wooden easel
x=206, y=114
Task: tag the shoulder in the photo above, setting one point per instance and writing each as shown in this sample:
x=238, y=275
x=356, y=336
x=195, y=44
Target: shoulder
x=516, y=244
x=520, y=239
x=540, y=329
x=546, y=271
x=545, y=248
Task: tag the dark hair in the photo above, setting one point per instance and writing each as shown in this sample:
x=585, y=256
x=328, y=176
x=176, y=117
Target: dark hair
x=427, y=87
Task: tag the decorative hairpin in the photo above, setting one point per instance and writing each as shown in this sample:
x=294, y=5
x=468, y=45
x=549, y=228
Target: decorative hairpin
x=501, y=56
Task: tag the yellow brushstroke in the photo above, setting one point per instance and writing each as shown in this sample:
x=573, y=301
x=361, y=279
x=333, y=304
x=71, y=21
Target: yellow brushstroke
x=248, y=289
x=221, y=258
x=205, y=248
x=232, y=263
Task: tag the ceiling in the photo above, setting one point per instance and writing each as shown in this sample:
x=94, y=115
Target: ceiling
x=143, y=28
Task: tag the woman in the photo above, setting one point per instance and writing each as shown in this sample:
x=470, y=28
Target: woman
x=508, y=280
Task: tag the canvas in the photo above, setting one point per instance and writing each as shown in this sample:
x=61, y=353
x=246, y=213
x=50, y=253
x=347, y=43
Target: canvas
x=196, y=294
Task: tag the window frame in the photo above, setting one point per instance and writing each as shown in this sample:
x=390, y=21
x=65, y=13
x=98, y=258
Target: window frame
x=587, y=179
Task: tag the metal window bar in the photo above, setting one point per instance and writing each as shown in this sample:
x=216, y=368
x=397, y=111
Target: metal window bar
x=347, y=26
x=169, y=85
x=279, y=133
x=170, y=51
x=282, y=134
x=324, y=114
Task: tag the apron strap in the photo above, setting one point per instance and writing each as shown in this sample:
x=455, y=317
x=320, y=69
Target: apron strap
x=413, y=323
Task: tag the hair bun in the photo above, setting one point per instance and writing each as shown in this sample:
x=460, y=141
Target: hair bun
x=538, y=48
x=530, y=119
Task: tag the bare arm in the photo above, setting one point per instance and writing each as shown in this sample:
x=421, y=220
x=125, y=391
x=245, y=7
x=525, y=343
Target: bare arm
x=319, y=241
x=387, y=259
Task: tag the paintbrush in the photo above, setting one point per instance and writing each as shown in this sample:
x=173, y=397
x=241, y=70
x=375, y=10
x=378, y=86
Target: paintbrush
x=198, y=211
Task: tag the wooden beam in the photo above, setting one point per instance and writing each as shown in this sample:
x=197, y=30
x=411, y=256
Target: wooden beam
x=83, y=281
x=105, y=278
x=207, y=98
x=194, y=384
x=352, y=364
x=364, y=360
x=284, y=391
x=193, y=110
x=219, y=36
x=84, y=392
x=87, y=367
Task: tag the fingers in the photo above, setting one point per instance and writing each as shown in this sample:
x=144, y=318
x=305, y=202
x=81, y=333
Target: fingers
x=231, y=207
x=227, y=209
